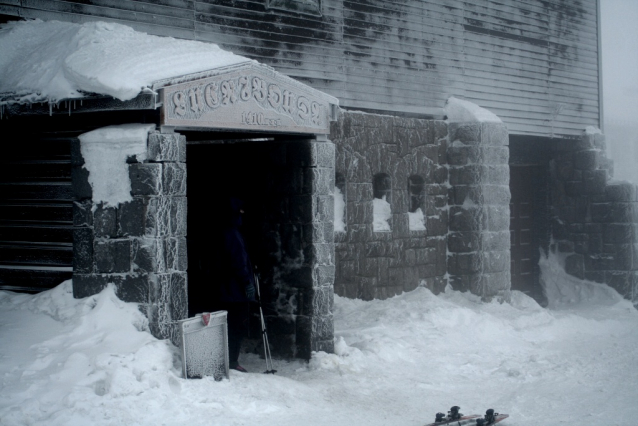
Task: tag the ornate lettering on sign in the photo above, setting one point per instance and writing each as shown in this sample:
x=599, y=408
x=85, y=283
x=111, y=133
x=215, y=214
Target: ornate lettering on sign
x=193, y=101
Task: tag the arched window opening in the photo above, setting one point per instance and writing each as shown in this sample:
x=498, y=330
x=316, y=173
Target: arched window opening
x=381, y=211
x=340, y=203
x=416, y=186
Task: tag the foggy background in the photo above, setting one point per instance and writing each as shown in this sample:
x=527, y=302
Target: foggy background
x=620, y=84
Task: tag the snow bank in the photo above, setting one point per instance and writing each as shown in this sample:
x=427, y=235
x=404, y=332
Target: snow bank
x=50, y=61
x=340, y=210
x=105, y=152
x=462, y=111
x=564, y=291
x=65, y=361
x=416, y=220
x=381, y=213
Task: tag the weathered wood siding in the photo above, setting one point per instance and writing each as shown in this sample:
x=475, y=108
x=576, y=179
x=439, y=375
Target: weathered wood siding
x=532, y=62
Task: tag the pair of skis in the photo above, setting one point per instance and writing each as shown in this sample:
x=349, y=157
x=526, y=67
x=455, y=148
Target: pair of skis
x=264, y=336
x=455, y=418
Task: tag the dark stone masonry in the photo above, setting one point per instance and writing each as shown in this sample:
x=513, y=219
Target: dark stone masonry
x=464, y=198
x=139, y=246
x=595, y=219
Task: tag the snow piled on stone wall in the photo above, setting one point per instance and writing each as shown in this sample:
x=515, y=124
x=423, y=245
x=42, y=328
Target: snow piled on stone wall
x=105, y=152
x=381, y=214
x=462, y=111
x=50, y=61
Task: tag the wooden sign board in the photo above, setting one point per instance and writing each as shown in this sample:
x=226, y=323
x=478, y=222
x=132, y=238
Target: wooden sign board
x=251, y=97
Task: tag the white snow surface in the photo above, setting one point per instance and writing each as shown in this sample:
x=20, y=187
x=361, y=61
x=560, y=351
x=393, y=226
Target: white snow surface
x=416, y=220
x=66, y=361
x=50, y=61
x=462, y=111
x=105, y=151
x=381, y=213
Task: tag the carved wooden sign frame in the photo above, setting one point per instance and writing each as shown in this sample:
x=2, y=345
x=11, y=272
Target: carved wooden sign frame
x=249, y=97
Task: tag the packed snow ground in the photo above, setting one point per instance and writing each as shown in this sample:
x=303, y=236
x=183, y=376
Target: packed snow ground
x=398, y=361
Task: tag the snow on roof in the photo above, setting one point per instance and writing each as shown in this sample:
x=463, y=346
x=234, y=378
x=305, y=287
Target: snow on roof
x=51, y=61
x=462, y=111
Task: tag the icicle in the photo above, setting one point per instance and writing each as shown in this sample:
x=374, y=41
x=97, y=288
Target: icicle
x=69, y=108
x=1, y=111
x=50, y=109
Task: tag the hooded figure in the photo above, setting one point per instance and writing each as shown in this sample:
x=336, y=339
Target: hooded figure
x=237, y=280
x=234, y=281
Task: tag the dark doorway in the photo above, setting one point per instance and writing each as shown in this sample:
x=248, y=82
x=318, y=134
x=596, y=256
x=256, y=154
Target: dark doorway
x=529, y=227
x=268, y=176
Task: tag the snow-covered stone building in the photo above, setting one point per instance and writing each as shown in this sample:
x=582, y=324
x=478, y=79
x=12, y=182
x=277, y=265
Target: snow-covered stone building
x=382, y=145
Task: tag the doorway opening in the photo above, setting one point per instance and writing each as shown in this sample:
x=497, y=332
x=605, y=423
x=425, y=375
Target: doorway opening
x=269, y=176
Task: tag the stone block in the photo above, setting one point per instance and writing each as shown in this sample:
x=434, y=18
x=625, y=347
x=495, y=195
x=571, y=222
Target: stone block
x=437, y=225
x=174, y=179
x=614, y=212
x=467, y=133
x=318, y=181
x=169, y=292
x=497, y=175
x=496, y=261
x=322, y=327
x=575, y=265
x=146, y=178
x=465, y=263
x=494, y=134
x=147, y=255
x=458, y=155
x=112, y=256
x=495, y=241
x=105, y=221
x=165, y=217
x=498, y=218
x=131, y=217
x=618, y=233
x=594, y=181
x=82, y=214
x=620, y=192
x=323, y=276
x=323, y=208
x=165, y=147
x=494, y=155
x=83, y=250
x=134, y=288
x=427, y=271
x=463, y=242
x=586, y=160
x=435, y=284
x=85, y=285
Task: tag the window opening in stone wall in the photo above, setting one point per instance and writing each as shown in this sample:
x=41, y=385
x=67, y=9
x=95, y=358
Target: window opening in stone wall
x=381, y=211
x=340, y=203
x=416, y=185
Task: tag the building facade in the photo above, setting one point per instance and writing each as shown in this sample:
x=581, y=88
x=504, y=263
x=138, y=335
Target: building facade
x=396, y=193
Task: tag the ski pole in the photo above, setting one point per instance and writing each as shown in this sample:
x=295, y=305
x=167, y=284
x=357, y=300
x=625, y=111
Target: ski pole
x=264, y=335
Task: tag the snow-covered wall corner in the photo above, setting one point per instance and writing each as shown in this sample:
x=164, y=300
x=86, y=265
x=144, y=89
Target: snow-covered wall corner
x=478, y=241
x=130, y=220
x=595, y=221
x=106, y=152
x=67, y=60
x=462, y=111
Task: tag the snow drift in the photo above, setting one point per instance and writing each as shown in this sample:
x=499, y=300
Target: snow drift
x=65, y=361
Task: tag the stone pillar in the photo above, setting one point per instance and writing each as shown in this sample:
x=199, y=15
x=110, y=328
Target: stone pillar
x=139, y=246
x=314, y=321
x=479, y=197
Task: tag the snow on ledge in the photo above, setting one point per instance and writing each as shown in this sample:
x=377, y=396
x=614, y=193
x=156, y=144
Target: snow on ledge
x=462, y=111
x=51, y=61
x=105, y=152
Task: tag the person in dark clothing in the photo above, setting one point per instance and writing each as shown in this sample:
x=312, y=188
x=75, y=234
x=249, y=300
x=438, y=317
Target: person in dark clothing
x=235, y=281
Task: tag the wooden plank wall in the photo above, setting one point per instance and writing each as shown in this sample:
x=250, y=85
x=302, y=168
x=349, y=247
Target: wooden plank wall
x=36, y=214
x=532, y=62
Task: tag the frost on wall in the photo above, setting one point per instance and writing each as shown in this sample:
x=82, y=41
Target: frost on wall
x=416, y=220
x=105, y=152
x=340, y=209
x=381, y=213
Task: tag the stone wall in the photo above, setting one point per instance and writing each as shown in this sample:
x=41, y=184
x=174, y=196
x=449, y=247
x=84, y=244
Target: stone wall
x=382, y=264
x=479, y=238
x=139, y=246
x=595, y=220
